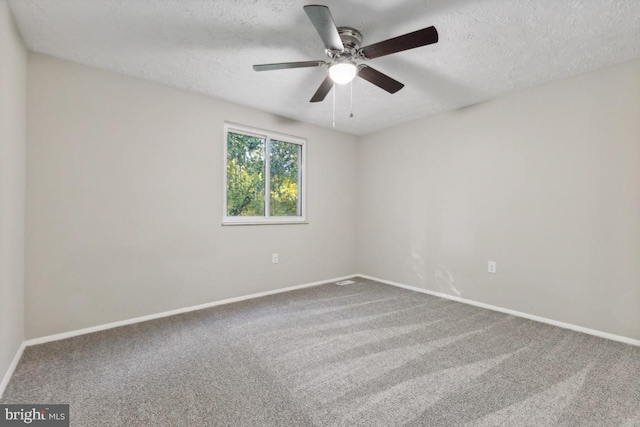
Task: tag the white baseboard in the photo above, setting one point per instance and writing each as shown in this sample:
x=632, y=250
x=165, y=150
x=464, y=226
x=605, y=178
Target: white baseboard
x=64, y=335
x=12, y=367
x=564, y=325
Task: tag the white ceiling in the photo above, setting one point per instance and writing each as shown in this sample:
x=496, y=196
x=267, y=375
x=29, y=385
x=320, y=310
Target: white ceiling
x=487, y=48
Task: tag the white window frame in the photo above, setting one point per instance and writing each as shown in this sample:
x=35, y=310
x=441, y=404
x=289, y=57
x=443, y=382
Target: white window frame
x=302, y=177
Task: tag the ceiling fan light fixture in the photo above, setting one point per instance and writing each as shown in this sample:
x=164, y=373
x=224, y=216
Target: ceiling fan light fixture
x=343, y=72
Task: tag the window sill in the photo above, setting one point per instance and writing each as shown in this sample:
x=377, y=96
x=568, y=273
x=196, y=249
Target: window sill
x=263, y=223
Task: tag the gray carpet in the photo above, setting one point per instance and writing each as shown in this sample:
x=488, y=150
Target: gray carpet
x=366, y=354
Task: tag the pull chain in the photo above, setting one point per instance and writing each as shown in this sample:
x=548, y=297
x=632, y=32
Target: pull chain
x=351, y=100
x=334, y=105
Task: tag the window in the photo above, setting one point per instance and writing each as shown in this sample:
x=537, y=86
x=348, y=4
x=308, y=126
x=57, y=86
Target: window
x=264, y=177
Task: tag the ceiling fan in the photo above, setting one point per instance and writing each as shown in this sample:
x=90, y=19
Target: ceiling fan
x=343, y=49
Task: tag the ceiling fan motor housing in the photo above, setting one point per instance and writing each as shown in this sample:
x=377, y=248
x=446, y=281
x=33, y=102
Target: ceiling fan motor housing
x=351, y=38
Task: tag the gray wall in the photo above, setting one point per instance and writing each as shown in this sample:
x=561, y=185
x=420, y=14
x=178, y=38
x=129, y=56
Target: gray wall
x=546, y=182
x=13, y=63
x=124, y=202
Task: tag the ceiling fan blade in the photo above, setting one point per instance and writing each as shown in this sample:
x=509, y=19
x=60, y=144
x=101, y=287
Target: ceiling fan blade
x=323, y=90
x=408, y=41
x=323, y=21
x=285, y=65
x=379, y=79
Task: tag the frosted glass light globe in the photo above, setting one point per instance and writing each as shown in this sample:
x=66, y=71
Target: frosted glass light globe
x=343, y=72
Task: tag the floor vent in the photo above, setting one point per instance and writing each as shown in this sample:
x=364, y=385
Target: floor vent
x=345, y=282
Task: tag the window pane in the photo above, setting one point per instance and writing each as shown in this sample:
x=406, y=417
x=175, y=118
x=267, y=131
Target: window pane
x=245, y=175
x=285, y=179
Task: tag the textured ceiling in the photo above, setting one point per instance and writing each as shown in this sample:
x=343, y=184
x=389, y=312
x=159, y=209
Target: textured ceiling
x=487, y=48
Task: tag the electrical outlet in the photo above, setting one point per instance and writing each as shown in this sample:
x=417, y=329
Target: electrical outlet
x=492, y=267
x=274, y=258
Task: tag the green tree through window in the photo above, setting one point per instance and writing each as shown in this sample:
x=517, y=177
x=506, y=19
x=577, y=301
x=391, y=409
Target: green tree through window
x=261, y=186
x=285, y=160
x=245, y=175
